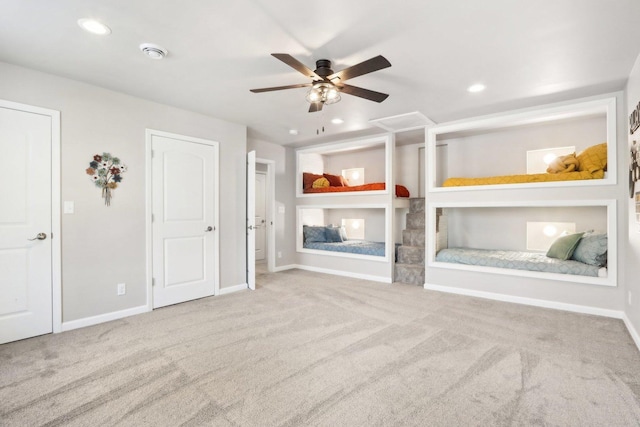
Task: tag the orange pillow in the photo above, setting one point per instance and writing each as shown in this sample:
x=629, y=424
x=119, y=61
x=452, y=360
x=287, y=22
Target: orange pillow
x=308, y=178
x=335, y=180
x=594, y=158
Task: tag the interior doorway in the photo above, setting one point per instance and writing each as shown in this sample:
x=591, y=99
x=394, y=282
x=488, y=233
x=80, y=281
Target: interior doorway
x=265, y=214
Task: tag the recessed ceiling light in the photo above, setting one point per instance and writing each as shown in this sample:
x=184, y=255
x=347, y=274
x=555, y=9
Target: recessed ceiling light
x=153, y=51
x=293, y=131
x=94, y=27
x=479, y=87
x=337, y=121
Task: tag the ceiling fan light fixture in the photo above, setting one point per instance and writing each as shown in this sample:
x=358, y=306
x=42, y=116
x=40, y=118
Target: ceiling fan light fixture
x=323, y=92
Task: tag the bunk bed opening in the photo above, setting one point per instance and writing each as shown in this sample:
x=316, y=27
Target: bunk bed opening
x=558, y=241
x=358, y=232
x=568, y=145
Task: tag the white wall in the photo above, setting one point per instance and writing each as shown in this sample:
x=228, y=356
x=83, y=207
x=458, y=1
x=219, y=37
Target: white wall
x=506, y=228
x=372, y=160
x=633, y=241
x=374, y=229
x=103, y=246
x=407, y=169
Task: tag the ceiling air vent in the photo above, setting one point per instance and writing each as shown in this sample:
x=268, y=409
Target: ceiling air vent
x=153, y=50
x=403, y=122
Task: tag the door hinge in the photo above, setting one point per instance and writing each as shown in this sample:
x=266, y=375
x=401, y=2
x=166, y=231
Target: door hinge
x=153, y=281
x=152, y=218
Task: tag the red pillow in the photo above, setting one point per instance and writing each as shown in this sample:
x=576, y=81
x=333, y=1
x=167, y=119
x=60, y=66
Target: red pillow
x=335, y=180
x=308, y=178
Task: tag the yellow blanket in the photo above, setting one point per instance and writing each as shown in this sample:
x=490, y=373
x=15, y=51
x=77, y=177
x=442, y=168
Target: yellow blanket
x=519, y=179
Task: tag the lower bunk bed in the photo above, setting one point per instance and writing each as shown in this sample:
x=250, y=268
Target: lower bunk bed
x=519, y=260
x=334, y=239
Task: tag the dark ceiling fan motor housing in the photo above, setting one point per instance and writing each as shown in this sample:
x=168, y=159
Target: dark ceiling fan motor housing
x=323, y=68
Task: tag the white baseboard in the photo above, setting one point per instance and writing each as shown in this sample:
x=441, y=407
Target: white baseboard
x=345, y=273
x=101, y=318
x=232, y=289
x=284, y=267
x=616, y=314
x=632, y=331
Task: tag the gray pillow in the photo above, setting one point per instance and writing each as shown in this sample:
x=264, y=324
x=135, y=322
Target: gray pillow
x=592, y=249
x=333, y=234
x=564, y=246
x=314, y=234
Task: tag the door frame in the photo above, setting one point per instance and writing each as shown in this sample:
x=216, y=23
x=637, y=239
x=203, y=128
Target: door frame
x=56, y=236
x=266, y=212
x=149, y=133
x=270, y=197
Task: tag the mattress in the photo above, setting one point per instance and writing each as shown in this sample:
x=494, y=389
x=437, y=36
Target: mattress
x=530, y=261
x=352, y=246
x=401, y=190
x=526, y=178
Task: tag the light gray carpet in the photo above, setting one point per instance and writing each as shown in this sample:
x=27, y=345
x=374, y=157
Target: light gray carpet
x=312, y=349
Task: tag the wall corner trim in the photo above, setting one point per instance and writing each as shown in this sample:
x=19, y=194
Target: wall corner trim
x=632, y=331
x=102, y=318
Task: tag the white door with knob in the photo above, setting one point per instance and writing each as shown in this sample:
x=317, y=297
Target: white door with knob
x=26, y=281
x=184, y=174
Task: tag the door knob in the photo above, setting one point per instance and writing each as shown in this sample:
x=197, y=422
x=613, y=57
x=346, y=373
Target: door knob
x=40, y=236
x=209, y=228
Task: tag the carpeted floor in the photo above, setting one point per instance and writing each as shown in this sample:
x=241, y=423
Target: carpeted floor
x=311, y=349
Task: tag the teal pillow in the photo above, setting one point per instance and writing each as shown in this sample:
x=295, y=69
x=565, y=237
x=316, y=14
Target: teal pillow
x=592, y=249
x=564, y=246
x=314, y=234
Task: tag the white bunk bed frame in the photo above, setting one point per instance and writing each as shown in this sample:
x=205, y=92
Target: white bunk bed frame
x=527, y=287
x=369, y=267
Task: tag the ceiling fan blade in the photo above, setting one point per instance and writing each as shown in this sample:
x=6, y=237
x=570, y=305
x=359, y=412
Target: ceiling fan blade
x=371, y=95
x=369, y=66
x=315, y=107
x=296, y=65
x=269, y=89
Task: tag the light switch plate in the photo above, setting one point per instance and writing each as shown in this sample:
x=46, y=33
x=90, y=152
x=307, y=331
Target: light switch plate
x=69, y=207
x=281, y=209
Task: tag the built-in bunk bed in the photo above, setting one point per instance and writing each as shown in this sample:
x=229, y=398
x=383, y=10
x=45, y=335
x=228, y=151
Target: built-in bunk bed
x=346, y=217
x=510, y=185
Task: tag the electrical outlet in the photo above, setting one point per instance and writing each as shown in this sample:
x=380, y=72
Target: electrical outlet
x=629, y=297
x=122, y=288
x=279, y=254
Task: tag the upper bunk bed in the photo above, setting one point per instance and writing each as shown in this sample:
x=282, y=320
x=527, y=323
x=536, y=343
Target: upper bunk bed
x=347, y=168
x=562, y=145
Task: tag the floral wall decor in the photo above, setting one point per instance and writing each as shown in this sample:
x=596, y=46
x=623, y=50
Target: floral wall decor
x=106, y=173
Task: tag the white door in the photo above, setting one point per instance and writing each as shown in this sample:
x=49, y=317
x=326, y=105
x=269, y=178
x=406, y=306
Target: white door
x=184, y=174
x=25, y=225
x=251, y=218
x=261, y=216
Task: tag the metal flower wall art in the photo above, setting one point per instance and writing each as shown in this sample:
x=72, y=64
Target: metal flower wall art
x=106, y=173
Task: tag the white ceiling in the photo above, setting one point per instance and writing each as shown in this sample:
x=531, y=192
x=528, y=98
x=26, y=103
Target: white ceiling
x=526, y=53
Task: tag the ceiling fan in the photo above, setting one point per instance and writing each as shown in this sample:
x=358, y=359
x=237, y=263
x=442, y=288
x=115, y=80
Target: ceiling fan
x=326, y=85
